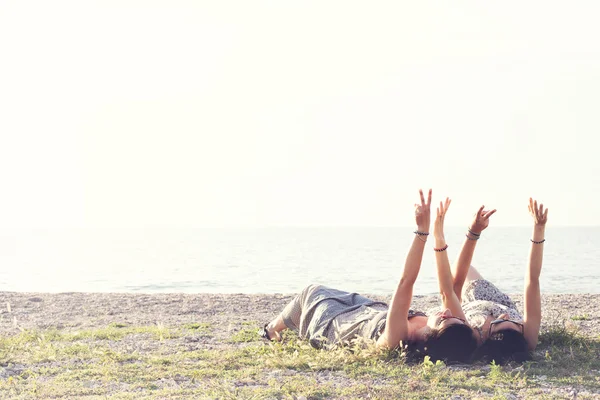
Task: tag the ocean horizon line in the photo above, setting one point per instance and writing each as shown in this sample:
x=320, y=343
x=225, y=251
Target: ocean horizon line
x=265, y=227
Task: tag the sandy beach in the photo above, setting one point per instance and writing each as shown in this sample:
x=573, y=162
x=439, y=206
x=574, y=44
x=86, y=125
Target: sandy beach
x=54, y=342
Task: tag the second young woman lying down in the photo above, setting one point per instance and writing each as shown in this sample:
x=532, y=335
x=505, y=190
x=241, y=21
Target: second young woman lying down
x=503, y=333
x=328, y=317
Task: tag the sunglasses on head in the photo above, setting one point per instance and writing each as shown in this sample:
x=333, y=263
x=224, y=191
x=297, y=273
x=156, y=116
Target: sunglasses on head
x=499, y=321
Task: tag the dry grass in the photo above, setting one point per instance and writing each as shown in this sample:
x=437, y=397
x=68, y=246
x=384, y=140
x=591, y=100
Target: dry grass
x=133, y=362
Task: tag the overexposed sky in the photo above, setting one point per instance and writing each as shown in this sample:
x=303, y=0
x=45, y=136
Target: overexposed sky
x=215, y=113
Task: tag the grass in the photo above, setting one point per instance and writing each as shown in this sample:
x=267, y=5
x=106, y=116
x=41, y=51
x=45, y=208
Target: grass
x=199, y=327
x=583, y=317
x=132, y=362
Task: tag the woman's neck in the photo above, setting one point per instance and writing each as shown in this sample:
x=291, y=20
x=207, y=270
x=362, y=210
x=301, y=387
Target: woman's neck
x=414, y=325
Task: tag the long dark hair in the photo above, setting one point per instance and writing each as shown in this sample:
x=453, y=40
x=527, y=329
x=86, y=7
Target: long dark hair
x=452, y=344
x=502, y=347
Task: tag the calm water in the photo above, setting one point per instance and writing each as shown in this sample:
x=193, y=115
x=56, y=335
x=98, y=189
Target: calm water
x=278, y=260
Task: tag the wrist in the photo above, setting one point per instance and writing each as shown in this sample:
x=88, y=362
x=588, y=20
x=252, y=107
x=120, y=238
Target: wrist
x=538, y=233
x=421, y=235
x=423, y=228
x=471, y=238
x=475, y=231
x=473, y=235
x=440, y=248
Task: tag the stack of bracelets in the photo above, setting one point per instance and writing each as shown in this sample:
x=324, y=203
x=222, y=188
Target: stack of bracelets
x=475, y=235
x=421, y=234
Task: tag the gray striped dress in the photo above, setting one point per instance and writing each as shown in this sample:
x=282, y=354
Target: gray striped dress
x=329, y=317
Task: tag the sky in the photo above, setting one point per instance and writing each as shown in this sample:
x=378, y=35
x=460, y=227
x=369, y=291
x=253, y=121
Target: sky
x=212, y=114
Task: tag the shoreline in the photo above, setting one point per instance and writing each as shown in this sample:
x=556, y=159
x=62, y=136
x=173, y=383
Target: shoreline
x=82, y=310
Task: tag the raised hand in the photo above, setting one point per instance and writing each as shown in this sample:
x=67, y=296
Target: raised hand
x=438, y=227
x=481, y=220
x=540, y=216
x=423, y=213
x=532, y=303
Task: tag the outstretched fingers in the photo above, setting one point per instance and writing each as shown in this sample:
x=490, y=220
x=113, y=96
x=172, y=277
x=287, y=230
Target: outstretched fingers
x=544, y=217
x=423, y=203
x=443, y=208
x=488, y=214
x=538, y=212
x=530, y=206
x=480, y=211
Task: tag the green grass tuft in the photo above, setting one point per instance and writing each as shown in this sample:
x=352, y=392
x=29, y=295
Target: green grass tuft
x=200, y=327
x=583, y=317
x=244, y=335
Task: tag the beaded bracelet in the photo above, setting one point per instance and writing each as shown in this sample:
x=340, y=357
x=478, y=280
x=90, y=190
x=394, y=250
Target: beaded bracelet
x=540, y=242
x=421, y=233
x=442, y=249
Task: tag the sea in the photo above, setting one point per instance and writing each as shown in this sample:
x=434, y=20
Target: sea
x=366, y=260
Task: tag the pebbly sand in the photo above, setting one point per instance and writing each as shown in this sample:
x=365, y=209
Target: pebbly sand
x=224, y=312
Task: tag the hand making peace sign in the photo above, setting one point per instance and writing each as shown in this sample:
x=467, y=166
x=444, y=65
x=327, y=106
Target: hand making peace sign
x=481, y=220
x=422, y=213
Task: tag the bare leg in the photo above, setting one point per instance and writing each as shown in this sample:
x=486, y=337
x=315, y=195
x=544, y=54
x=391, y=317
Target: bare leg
x=472, y=275
x=276, y=326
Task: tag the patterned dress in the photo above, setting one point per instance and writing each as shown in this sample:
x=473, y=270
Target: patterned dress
x=481, y=298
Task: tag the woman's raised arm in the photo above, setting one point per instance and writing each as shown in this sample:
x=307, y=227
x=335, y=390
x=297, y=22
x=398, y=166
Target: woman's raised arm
x=449, y=298
x=533, y=304
x=463, y=262
x=396, y=327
